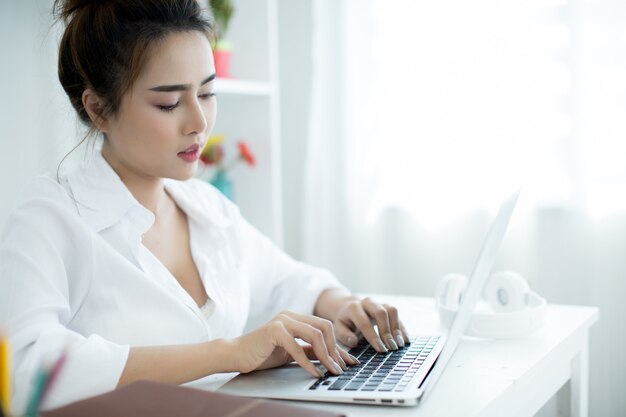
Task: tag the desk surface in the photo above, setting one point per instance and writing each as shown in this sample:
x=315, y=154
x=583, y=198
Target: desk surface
x=492, y=377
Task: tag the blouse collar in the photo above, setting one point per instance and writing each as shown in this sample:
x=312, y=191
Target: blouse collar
x=103, y=199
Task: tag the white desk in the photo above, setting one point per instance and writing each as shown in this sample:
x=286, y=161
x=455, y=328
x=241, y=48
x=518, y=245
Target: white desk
x=498, y=378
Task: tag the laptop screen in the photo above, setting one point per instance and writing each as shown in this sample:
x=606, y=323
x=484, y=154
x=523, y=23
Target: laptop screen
x=471, y=295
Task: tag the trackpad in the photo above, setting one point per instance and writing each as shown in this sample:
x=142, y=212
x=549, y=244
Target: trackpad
x=288, y=377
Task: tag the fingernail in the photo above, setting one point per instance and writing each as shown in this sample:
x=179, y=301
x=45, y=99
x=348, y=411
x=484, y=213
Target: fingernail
x=400, y=340
x=342, y=363
x=351, y=342
x=355, y=360
x=337, y=368
x=382, y=347
x=392, y=344
x=320, y=372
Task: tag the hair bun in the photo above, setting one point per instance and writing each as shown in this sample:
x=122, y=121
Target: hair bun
x=66, y=9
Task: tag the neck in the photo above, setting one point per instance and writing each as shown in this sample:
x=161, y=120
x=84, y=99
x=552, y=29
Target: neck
x=148, y=191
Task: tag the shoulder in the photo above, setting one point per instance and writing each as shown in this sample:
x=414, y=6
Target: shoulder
x=45, y=192
x=44, y=206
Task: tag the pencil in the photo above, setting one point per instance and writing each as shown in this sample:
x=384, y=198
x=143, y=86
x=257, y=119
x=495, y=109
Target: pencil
x=43, y=384
x=35, y=398
x=5, y=374
x=54, y=373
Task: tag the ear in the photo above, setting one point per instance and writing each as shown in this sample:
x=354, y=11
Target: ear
x=94, y=106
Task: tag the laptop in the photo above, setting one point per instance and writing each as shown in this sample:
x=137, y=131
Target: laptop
x=402, y=377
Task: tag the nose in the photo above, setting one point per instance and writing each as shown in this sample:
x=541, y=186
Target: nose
x=196, y=119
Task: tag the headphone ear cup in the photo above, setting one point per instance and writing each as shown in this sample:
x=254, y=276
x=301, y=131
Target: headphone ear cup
x=450, y=290
x=506, y=291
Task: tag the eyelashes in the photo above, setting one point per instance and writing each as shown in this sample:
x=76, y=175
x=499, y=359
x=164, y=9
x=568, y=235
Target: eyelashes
x=169, y=109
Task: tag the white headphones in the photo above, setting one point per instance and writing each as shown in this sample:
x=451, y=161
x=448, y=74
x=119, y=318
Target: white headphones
x=509, y=309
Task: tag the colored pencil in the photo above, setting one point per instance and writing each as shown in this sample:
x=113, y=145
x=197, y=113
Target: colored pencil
x=37, y=393
x=5, y=374
x=54, y=374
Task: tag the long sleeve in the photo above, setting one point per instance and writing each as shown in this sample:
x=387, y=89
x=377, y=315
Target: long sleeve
x=277, y=281
x=45, y=272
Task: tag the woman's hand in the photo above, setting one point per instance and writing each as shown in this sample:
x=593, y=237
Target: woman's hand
x=274, y=344
x=359, y=315
x=352, y=315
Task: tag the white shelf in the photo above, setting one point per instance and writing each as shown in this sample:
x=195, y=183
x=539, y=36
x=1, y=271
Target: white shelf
x=249, y=109
x=243, y=87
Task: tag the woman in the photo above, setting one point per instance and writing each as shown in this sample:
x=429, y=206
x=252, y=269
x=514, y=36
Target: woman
x=136, y=269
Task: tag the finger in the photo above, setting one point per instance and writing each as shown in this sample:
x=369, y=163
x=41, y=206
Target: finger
x=285, y=340
x=346, y=334
x=379, y=313
x=394, y=324
x=405, y=334
x=309, y=352
x=315, y=337
x=363, y=323
x=328, y=330
x=339, y=359
x=347, y=357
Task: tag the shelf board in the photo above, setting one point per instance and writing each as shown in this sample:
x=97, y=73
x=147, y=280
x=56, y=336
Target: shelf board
x=242, y=87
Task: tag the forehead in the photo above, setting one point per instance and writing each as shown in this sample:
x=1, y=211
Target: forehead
x=180, y=58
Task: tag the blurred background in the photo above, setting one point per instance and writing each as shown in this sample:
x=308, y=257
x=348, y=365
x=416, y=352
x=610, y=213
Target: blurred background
x=387, y=132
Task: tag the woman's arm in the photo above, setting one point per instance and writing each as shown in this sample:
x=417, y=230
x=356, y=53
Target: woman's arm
x=177, y=364
x=280, y=282
x=271, y=345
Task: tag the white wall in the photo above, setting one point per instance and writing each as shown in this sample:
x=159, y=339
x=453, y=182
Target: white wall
x=37, y=124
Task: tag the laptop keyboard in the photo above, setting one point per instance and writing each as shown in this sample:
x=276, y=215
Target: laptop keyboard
x=390, y=371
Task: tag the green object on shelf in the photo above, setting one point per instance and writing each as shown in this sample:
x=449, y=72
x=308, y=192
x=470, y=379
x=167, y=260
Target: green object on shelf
x=222, y=182
x=222, y=12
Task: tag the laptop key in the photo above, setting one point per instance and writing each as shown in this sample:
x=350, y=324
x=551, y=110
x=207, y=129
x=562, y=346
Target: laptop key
x=339, y=384
x=353, y=386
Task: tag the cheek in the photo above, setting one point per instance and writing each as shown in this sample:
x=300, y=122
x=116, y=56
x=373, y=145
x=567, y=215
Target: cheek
x=152, y=126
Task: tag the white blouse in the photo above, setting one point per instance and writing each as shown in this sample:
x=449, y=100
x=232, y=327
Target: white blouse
x=74, y=273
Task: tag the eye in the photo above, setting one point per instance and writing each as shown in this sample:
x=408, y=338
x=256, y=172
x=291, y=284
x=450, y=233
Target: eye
x=206, y=96
x=169, y=109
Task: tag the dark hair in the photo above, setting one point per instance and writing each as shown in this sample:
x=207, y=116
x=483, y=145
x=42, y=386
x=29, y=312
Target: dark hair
x=106, y=43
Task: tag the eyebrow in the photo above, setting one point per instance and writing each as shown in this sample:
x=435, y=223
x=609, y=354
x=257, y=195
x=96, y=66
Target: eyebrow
x=180, y=87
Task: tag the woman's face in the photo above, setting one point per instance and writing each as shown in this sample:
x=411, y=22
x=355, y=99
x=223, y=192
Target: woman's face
x=164, y=120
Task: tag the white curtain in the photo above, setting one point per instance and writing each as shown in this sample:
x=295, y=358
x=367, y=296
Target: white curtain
x=424, y=114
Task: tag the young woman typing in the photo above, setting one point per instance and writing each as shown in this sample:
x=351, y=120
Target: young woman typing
x=139, y=270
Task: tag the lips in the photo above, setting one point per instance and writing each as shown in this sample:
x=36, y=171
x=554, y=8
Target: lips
x=191, y=154
x=190, y=149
